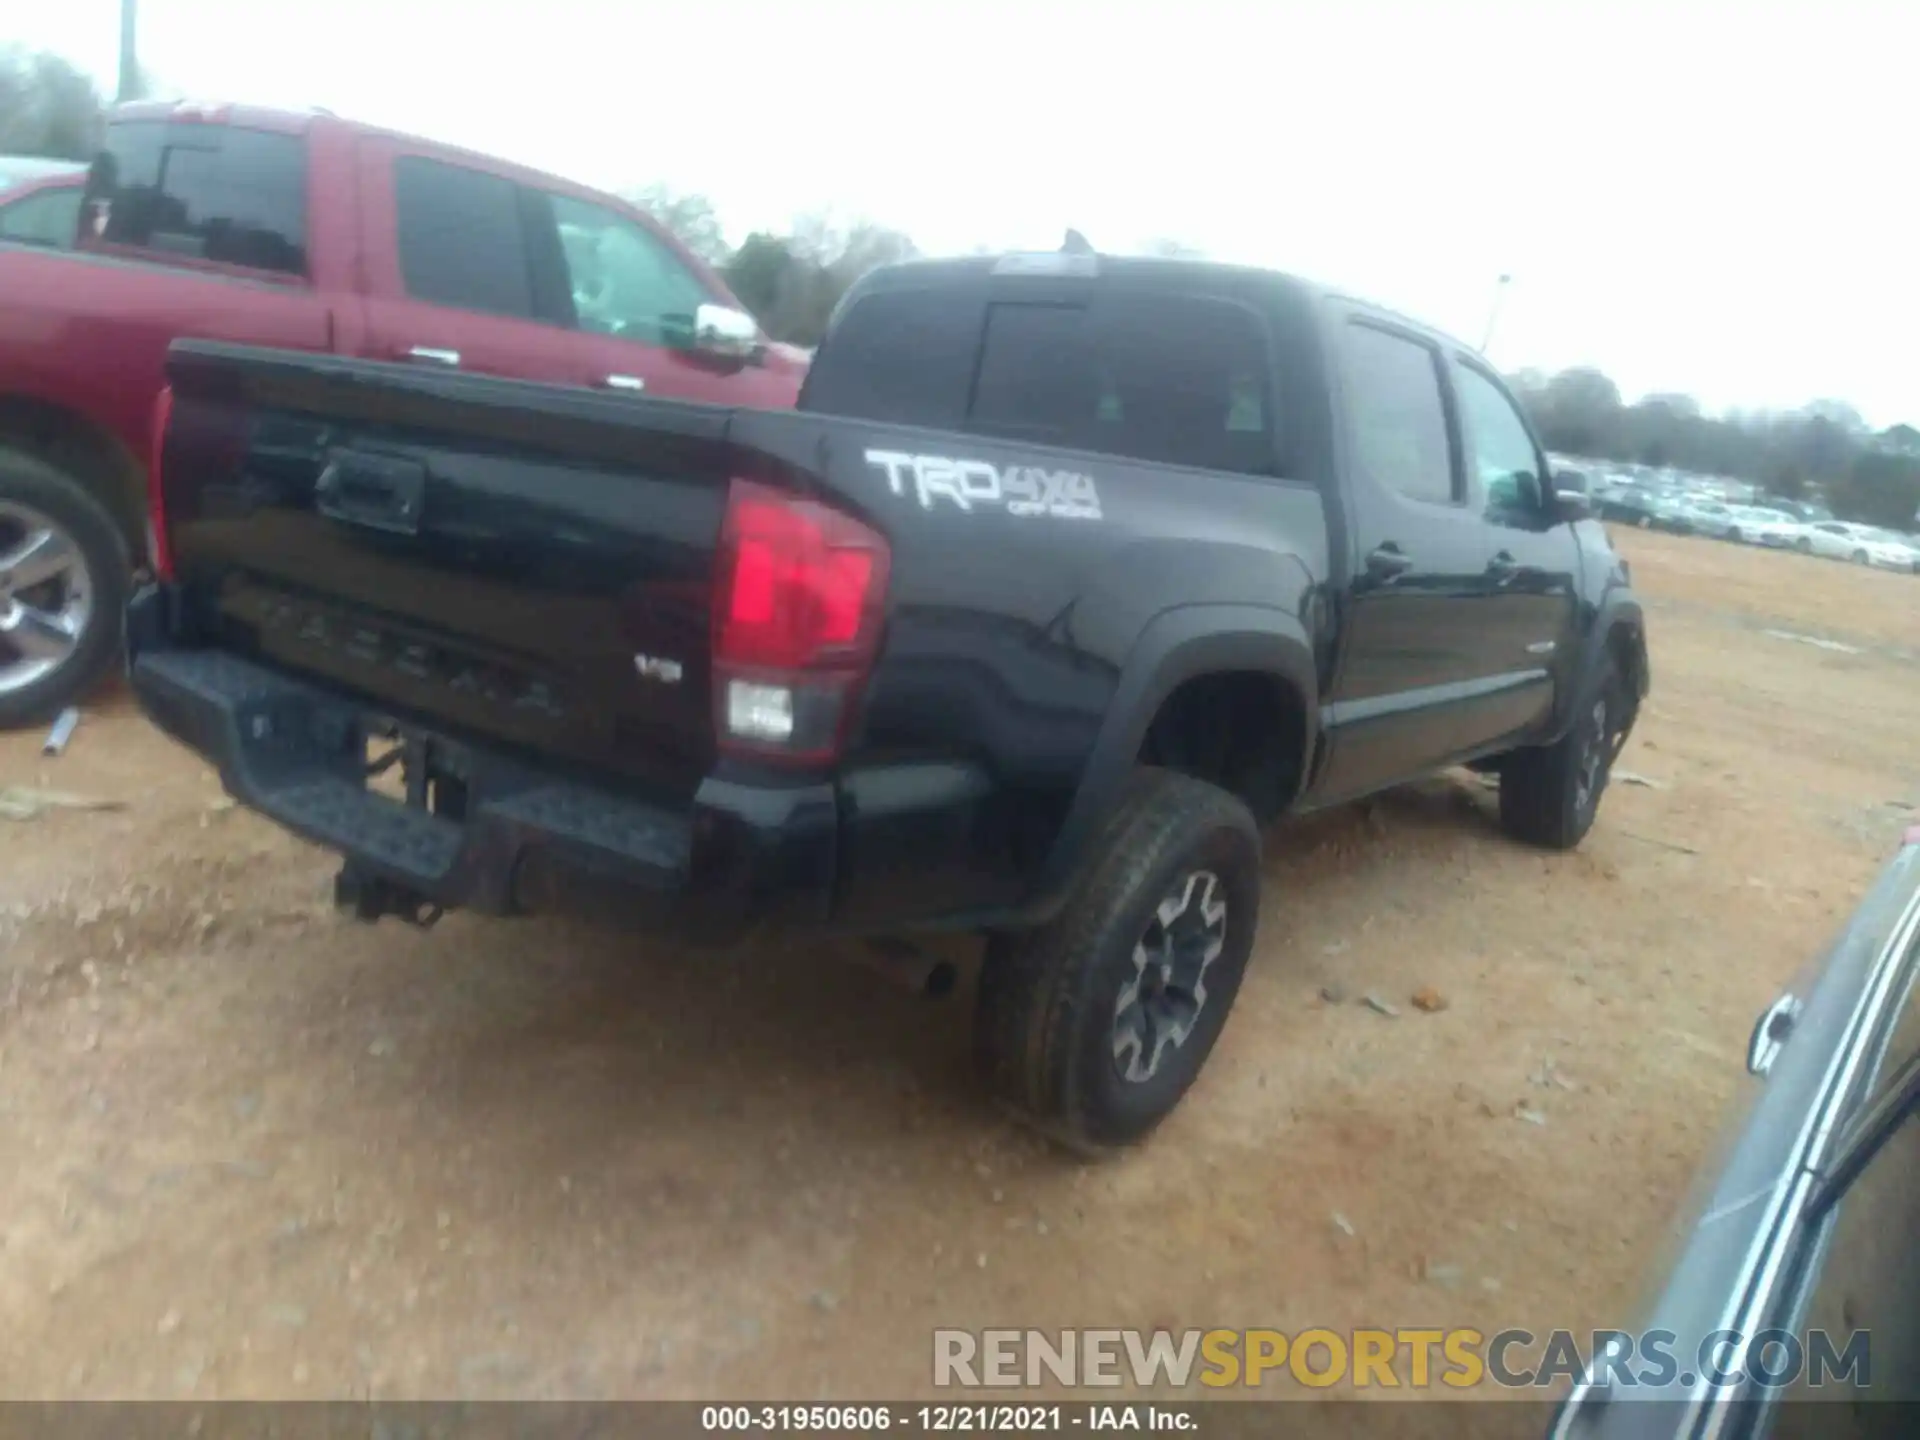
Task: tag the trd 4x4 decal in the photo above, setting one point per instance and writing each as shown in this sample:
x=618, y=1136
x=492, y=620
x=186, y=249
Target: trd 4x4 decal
x=1018, y=489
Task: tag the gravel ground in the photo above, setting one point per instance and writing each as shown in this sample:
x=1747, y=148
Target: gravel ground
x=247, y=1149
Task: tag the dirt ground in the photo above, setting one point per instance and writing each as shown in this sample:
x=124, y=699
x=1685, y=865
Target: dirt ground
x=247, y=1149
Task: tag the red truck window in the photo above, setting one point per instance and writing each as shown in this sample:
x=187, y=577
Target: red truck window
x=45, y=217
x=462, y=242
x=219, y=193
x=624, y=281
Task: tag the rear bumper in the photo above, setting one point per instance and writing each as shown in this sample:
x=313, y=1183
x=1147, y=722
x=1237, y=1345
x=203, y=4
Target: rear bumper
x=525, y=839
x=878, y=848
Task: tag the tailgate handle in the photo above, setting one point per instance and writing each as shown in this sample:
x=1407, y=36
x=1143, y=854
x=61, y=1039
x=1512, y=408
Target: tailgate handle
x=380, y=492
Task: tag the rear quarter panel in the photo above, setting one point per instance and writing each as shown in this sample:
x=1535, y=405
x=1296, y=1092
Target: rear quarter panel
x=1021, y=583
x=89, y=333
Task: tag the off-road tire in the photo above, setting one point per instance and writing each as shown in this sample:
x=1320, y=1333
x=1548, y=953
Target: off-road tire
x=1045, y=1018
x=1540, y=800
x=41, y=486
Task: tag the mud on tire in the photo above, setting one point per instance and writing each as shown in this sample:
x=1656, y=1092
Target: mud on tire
x=1092, y=1027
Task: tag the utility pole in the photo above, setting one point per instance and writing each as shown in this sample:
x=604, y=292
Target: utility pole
x=1493, y=310
x=129, y=61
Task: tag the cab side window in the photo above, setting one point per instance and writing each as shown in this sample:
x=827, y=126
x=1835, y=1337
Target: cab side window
x=1505, y=469
x=1399, y=416
x=462, y=242
x=625, y=280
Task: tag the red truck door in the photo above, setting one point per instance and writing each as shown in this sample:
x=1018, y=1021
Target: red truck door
x=631, y=298
x=450, y=277
x=489, y=269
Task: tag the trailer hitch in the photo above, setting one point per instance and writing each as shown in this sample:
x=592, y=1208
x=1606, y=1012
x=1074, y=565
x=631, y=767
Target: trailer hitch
x=370, y=897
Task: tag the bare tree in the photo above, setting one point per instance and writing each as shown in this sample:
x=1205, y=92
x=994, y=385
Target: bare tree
x=47, y=107
x=690, y=217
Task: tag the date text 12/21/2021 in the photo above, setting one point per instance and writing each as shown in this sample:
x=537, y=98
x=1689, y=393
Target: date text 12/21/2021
x=962, y=1419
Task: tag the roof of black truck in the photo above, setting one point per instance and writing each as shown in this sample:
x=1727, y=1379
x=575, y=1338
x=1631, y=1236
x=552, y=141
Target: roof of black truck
x=1204, y=276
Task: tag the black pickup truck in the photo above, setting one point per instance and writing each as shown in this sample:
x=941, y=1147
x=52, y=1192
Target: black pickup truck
x=1067, y=574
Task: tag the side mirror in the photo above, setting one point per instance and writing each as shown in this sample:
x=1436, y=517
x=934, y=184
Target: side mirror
x=1572, y=496
x=725, y=333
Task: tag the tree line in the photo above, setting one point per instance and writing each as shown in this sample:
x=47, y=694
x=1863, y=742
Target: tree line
x=792, y=281
x=1823, y=450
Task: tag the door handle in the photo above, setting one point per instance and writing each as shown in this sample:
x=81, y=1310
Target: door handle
x=633, y=384
x=1388, y=561
x=1503, y=567
x=434, y=354
x=380, y=492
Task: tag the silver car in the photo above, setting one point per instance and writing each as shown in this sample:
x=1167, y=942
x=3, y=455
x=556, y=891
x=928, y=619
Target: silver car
x=1792, y=1306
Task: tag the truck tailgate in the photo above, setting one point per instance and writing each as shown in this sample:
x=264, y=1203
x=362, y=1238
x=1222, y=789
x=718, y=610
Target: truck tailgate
x=516, y=562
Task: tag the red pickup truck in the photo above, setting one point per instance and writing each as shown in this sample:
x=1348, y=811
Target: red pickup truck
x=302, y=231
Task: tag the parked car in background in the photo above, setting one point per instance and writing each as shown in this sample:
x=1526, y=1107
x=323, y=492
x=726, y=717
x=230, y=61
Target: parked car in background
x=1705, y=516
x=1802, y=1226
x=1764, y=525
x=40, y=200
x=1804, y=510
x=1627, y=502
x=1672, y=512
x=1909, y=543
x=1862, y=544
x=306, y=232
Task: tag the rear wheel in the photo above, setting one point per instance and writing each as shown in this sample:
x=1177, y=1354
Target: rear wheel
x=1859, y=557
x=1734, y=535
x=1092, y=1027
x=63, y=581
x=1549, y=795
x=1803, y=545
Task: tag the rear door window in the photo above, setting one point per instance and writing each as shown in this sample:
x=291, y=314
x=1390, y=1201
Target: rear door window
x=1398, y=415
x=1171, y=379
x=903, y=357
x=463, y=242
x=221, y=193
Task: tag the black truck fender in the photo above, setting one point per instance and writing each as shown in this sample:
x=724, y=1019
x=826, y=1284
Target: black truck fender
x=1176, y=646
x=1618, y=632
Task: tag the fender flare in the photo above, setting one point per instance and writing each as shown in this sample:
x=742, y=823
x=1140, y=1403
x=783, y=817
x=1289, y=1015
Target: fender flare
x=1176, y=646
x=1618, y=609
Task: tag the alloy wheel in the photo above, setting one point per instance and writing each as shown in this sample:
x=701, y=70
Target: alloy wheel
x=1157, y=1008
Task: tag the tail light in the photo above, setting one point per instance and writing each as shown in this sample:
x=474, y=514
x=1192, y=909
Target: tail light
x=800, y=590
x=159, y=546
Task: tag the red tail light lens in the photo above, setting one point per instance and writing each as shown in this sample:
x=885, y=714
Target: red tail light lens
x=159, y=546
x=797, y=617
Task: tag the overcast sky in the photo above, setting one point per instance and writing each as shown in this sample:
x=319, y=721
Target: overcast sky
x=1693, y=196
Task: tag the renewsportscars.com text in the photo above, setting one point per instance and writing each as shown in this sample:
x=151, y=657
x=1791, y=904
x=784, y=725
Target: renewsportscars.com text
x=1409, y=1358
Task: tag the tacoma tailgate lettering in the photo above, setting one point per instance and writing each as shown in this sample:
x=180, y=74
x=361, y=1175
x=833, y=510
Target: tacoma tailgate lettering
x=1019, y=489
